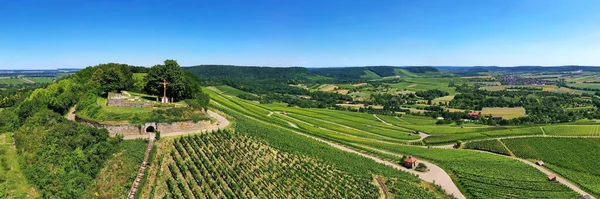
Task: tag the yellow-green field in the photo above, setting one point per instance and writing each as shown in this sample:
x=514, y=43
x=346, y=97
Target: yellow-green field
x=443, y=99
x=506, y=113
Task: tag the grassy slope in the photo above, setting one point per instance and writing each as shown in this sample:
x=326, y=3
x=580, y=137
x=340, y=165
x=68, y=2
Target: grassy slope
x=574, y=158
x=13, y=183
x=370, y=75
x=114, y=180
x=228, y=90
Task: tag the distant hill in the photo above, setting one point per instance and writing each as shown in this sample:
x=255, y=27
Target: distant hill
x=473, y=70
x=372, y=72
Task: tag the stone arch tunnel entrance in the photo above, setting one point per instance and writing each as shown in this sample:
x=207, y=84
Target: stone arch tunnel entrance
x=150, y=129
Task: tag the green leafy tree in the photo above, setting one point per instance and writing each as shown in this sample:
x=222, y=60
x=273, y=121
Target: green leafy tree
x=113, y=77
x=171, y=72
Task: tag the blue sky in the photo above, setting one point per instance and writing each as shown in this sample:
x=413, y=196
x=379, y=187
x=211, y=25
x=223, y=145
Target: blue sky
x=313, y=33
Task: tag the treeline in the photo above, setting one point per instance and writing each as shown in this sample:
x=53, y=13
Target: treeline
x=421, y=69
x=541, y=107
x=346, y=74
x=431, y=94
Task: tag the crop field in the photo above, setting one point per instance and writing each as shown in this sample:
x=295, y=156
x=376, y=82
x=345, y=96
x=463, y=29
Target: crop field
x=226, y=165
x=573, y=130
x=41, y=79
x=505, y=113
x=12, y=81
x=482, y=175
x=228, y=90
x=444, y=99
x=327, y=87
x=424, y=84
x=586, y=85
x=448, y=134
x=574, y=158
x=494, y=146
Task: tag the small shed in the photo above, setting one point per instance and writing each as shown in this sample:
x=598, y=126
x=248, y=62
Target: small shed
x=541, y=163
x=551, y=177
x=410, y=162
x=586, y=197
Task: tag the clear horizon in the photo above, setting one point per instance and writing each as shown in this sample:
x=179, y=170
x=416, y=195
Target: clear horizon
x=67, y=34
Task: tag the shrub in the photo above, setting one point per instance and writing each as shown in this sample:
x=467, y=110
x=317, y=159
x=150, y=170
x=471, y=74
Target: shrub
x=421, y=167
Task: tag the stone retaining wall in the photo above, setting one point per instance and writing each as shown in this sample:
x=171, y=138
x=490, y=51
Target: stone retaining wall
x=131, y=129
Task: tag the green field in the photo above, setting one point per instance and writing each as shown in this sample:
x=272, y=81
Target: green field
x=574, y=158
x=41, y=79
x=573, y=130
x=370, y=75
x=13, y=183
x=494, y=146
x=12, y=81
x=228, y=90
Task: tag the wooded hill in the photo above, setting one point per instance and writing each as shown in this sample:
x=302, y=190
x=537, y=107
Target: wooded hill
x=218, y=74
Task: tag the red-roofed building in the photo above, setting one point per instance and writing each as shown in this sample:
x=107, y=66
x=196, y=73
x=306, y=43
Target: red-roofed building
x=410, y=162
x=473, y=114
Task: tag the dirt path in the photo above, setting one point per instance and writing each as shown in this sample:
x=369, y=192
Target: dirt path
x=421, y=134
x=412, y=85
x=71, y=114
x=374, y=115
x=435, y=175
x=270, y=113
x=141, y=171
x=381, y=186
x=222, y=122
x=543, y=132
x=28, y=80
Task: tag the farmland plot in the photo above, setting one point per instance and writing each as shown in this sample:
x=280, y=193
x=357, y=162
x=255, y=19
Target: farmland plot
x=574, y=158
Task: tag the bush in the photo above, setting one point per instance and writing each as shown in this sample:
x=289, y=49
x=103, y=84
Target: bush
x=421, y=167
x=157, y=135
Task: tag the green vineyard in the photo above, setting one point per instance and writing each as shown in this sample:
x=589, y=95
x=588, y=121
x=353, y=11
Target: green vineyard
x=226, y=165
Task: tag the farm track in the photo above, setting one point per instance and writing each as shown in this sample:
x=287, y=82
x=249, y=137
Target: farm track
x=374, y=115
x=28, y=80
x=440, y=176
x=435, y=175
x=381, y=186
x=141, y=171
